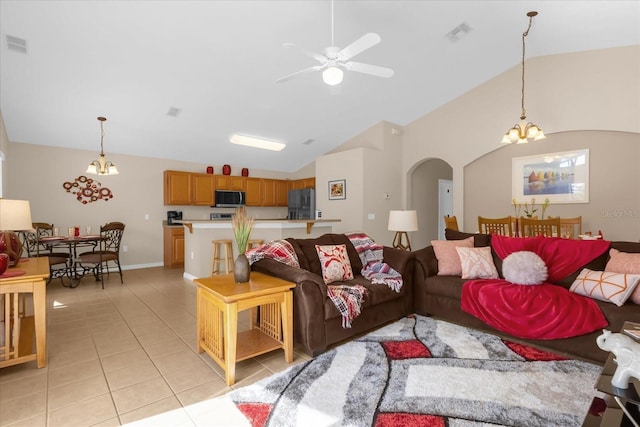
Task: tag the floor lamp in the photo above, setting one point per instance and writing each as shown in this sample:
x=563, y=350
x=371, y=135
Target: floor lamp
x=401, y=222
x=15, y=215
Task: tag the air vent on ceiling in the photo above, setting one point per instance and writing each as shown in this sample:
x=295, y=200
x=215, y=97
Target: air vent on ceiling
x=459, y=32
x=308, y=141
x=174, y=111
x=17, y=44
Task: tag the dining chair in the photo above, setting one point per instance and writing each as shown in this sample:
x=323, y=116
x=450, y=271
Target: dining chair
x=31, y=241
x=451, y=222
x=500, y=226
x=549, y=227
x=571, y=228
x=107, y=250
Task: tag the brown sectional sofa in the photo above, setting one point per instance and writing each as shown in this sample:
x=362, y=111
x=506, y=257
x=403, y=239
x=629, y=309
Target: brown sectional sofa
x=439, y=296
x=317, y=322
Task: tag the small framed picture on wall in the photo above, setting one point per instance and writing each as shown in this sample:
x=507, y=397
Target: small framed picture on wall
x=338, y=189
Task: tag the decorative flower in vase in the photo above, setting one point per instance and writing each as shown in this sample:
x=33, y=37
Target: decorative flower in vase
x=545, y=205
x=242, y=226
x=529, y=208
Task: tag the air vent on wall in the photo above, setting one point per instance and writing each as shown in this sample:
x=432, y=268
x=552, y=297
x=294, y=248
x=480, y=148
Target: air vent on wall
x=459, y=32
x=17, y=44
x=174, y=111
x=308, y=141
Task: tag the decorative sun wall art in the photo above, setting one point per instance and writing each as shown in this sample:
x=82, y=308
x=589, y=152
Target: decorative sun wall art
x=87, y=190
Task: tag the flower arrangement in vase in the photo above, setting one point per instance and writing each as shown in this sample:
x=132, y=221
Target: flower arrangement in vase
x=242, y=227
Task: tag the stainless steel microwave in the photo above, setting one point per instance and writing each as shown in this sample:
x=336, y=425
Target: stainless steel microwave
x=229, y=198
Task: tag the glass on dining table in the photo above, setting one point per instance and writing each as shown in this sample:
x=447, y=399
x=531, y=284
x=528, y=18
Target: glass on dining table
x=71, y=232
x=56, y=231
x=87, y=230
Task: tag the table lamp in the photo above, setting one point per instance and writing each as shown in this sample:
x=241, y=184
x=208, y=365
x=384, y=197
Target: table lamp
x=15, y=215
x=401, y=222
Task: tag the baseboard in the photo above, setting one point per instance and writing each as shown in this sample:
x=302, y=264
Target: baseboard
x=138, y=266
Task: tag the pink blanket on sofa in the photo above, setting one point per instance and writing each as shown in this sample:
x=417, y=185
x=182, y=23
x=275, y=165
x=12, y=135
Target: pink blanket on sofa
x=543, y=311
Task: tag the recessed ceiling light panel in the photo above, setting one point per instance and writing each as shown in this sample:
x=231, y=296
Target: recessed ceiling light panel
x=459, y=32
x=252, y=141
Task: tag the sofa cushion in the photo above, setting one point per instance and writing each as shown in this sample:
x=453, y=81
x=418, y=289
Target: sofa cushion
x=605, y=286
x=477, y=263
x=308, y=257
x=447, y=255
x=524, y=268
x=334, y=262
x=479, y=240
x=622, y=262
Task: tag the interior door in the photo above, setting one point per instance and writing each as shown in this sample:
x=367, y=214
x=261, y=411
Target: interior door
x=445, y=203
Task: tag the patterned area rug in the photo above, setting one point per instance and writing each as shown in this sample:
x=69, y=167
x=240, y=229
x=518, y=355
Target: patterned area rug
x=424, y=372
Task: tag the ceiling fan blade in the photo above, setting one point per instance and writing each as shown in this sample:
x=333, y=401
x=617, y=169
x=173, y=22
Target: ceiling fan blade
x=306, y=70
x=317, y=56
x=373, y=70
x=359, y=46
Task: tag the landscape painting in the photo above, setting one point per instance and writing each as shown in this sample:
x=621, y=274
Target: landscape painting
x=560, y=177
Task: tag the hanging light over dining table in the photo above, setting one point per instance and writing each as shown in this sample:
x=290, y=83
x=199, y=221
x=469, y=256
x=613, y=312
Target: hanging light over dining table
x=522, y=132
x=102, y=166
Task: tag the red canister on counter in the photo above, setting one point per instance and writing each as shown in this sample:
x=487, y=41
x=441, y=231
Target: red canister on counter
x=76, y=231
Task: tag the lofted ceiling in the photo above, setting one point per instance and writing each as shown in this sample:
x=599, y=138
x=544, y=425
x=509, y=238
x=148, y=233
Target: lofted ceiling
x=218, y=62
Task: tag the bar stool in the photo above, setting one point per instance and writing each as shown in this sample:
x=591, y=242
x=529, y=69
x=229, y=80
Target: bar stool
x=254, y=243
x=217, y=259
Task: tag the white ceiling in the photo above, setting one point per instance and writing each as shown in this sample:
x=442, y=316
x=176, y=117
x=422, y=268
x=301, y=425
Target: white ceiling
x=218, y=61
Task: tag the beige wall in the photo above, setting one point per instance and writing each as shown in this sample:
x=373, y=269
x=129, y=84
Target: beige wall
x=4, y=147
x=37, y=173
x=614, y=182
x=374, y=171
x=594, y=90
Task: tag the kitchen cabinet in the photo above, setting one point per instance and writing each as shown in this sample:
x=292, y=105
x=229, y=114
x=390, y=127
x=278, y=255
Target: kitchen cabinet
x=282, y=190
x=299, y=184
x=268, y=192
x=202, y=186
x=177, y=188
x=173, y=247
x=228, y=182
x=254, y=191
x=188, y=188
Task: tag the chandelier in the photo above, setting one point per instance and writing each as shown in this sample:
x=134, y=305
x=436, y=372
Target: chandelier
x=102, y=166
x=522, y=132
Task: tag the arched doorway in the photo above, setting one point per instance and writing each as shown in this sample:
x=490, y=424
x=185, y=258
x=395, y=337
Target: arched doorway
x=423, y=179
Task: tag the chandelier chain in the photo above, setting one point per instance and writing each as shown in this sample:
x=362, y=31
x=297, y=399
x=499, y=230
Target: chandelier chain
x=525, y=34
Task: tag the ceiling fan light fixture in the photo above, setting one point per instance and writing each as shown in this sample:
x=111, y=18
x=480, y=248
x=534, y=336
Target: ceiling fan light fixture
x=252, y=141
x=332, y=75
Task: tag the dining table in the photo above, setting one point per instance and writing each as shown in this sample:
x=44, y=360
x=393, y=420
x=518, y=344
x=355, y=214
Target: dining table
x=73, y=270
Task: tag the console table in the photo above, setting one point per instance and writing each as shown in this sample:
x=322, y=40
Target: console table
x=18, y=328
x=219, y=299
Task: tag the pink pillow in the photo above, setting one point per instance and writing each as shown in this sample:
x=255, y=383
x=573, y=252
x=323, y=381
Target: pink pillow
x=624, y=262
x=477, y=263
x=334, y=262
x=448, y=259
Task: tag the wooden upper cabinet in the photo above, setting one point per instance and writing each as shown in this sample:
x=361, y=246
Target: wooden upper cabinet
x=177, y=188
x=282, y=190
x=299, y=184
x=228, y=182
x=254, y=191
x=202, y=187
x=268, y=192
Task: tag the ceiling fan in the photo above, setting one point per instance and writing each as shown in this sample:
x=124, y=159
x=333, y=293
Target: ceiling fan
x=333, y=59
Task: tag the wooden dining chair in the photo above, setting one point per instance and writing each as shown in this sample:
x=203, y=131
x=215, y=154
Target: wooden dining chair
x=549, y=227
x=107, y=251
x=571, y=228
x=500, y=226
x=451, y=222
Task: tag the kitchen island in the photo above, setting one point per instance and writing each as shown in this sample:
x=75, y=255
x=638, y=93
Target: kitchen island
x=199, y=234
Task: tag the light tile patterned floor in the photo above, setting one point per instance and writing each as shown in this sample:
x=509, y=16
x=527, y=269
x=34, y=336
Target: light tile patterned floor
x=124, y=354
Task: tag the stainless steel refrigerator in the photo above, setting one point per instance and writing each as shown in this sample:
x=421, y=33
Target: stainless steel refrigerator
x=302, y=204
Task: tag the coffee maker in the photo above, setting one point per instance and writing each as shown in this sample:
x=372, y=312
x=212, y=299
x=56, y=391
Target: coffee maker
x=172, y=216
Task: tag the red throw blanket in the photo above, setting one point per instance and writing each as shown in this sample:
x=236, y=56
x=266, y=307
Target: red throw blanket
x=543, y=311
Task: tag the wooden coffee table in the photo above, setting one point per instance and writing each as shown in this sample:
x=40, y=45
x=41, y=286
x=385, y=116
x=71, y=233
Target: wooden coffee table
x=220, y=299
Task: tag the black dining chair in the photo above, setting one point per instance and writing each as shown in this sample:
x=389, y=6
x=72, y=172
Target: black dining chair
x=32, y=242
x=107, y=250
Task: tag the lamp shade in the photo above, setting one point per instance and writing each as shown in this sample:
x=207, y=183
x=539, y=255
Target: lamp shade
x=15, y=215
x=403, y=221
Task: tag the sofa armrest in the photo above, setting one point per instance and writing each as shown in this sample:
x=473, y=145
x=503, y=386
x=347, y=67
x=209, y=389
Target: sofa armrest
x=398, y=259
x=426, y=262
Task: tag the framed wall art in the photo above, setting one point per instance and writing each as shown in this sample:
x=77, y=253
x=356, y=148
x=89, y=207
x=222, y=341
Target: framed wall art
x=338, y=189
x=560, y=177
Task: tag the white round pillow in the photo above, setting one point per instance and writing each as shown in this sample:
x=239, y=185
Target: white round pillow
x=524, y=268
